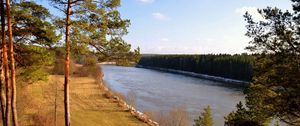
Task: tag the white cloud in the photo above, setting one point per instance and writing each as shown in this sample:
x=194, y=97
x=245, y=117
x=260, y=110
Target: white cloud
x=171, y=49
x=146, y=1
x=165, y=39
x=252, y=11
x=159, y=16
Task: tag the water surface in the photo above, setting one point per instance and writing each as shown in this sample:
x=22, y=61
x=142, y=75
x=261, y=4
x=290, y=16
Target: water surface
x=160, y=91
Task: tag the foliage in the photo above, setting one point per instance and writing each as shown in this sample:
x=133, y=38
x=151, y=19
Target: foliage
x=274, y=91
x=34, y=35
x=244, y=117
x=97, y=27
x=33, y=74
x=32, y=63
x=205, y=119
x=119, y=51
x=230, y=66
x=89, y=67
x=34, y=40
x=59, y=67
x=90, y=61
x=32, y=25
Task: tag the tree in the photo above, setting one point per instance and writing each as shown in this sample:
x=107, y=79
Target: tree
x=2, y=91
x=97, y=28
x=91, y=22
x=32, y=35
x=205, y=119
x=274, y=90
x=12, y=65
x=100, y=27
x=66, y=8
x=244, y=117
x=34, y=38
x=67, y=67
x=5, y=103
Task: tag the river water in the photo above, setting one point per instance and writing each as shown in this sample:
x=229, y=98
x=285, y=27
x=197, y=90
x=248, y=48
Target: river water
x=161, y=91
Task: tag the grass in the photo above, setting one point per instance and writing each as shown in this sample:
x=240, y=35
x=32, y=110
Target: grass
x=89, y=107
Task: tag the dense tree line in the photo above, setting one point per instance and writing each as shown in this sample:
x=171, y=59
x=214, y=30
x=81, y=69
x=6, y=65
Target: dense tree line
x=237, y=67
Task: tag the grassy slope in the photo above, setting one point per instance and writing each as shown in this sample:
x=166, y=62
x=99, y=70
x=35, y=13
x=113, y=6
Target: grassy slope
x=88, y=106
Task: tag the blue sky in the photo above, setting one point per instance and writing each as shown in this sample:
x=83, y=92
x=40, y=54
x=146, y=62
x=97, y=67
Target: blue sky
x=189, y=26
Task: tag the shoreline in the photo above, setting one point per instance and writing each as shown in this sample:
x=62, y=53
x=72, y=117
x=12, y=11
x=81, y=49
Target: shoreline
x=197, y=75
x=122, y=103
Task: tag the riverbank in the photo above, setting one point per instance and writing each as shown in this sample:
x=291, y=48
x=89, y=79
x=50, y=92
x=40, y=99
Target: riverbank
x=41, y=104
x=202, y=76
x=120, y=99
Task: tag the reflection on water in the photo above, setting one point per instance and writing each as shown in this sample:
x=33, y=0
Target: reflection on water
x=160, y=91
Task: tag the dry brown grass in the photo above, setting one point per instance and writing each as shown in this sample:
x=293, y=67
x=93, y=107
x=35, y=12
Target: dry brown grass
x=89, y=105
x=177, y=116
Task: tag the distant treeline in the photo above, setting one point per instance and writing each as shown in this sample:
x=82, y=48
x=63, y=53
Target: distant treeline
x=237, y=67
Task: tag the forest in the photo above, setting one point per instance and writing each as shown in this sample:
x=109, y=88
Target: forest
x=237, y=66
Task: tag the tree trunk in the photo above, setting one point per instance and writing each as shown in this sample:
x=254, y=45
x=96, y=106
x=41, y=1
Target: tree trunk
x=55, y=105
x=67, y=67
x=7, y=110
x=4, y=65
x=2, y=93
x=12, y=66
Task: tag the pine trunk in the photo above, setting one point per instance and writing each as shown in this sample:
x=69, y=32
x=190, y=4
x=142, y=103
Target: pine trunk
x=6, y=117
x=67, y=67
x=2, y=93
x=55, y=105
x=4, y=65
x=12, y=66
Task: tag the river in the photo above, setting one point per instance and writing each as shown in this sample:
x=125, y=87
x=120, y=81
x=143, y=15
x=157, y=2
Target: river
x=160, y=91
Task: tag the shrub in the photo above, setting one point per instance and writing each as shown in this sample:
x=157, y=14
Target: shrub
x=90, y=61
x=86, y=71
x=33, y=74
x=89, y=67
x=177, y=116
x=59, y=67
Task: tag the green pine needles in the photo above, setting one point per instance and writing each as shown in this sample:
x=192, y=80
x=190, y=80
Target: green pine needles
x=205, y=119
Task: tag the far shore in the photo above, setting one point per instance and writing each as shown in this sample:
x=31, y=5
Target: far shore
x=239, y=83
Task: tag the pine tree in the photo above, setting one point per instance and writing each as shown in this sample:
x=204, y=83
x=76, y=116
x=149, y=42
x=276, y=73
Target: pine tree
x=4, y=70
x=205, y=119
x=12, y=65
x=33, y=41
x=67, y=67
x=274, y=90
